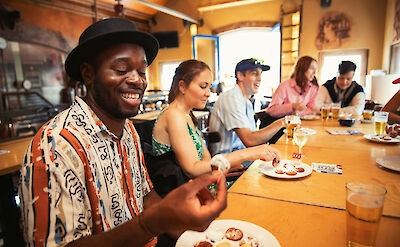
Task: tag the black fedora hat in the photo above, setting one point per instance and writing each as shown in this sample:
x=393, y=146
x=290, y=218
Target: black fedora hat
x=104, y=33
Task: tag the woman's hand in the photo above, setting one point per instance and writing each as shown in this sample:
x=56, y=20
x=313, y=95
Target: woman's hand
x=298, y=107
x=264, y=152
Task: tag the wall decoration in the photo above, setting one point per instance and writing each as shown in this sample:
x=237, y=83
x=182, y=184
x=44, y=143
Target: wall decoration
x=333, y=29
x=396, y=23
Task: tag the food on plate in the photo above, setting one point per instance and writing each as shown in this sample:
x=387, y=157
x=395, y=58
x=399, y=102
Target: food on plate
x=393, y=130
x=234, y=234
x=299, y=169
x=291, y=173
x=214, y=236
x=387, y=138
x=203, y=244
x=279, y=171
x=224, y=244
x=249, y=242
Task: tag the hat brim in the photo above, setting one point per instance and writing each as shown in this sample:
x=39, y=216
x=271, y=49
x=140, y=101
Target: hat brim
x=83, y=52
x=245, y=67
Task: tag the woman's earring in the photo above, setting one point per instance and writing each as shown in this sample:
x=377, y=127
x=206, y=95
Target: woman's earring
x=80, y=89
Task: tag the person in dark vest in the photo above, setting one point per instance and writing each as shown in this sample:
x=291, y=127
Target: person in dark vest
x=342, y=89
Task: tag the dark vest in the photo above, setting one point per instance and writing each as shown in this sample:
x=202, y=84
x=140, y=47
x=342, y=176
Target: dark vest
x=349, y=94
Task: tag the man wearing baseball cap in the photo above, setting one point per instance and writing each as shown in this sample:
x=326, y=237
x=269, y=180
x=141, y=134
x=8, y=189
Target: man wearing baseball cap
x=83, y=181
x=233, y=113
x=393, y=106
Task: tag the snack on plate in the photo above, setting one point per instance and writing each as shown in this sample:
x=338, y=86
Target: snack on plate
x=299, y=169
x=234, y=234
x=203, y=244
x=223, y=244
x=393, y=130
x=291, y=173
x=279, y=171
x=249, y=242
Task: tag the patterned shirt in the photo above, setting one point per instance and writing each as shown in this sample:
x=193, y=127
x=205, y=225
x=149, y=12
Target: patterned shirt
x=232, y=110
x=79, y=179
x=287, y=93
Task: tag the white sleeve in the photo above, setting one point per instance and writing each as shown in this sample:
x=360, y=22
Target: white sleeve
x=356, y=105
x=323, y=97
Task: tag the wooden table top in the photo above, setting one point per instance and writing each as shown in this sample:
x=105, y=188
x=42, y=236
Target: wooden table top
x=300, y=225
x=322, y=188
x=355, y=142
x=11, y=161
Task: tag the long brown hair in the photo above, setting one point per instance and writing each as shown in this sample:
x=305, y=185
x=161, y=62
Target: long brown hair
x=185, y=72
x=302, y=66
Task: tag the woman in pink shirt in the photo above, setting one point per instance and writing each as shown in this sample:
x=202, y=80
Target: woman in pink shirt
x=296, y=95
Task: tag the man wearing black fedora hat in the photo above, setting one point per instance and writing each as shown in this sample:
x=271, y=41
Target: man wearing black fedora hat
x=84, y=181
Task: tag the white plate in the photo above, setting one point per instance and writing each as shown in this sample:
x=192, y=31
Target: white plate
x=267, y=169
x=310, y=117
x=265, y=238
x=377, y=139
x=366, y=121
x=390, y=162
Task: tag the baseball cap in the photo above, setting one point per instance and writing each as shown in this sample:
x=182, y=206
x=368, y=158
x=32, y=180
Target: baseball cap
x=250, y=63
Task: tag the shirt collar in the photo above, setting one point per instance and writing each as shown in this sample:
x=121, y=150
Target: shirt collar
x=92, y=119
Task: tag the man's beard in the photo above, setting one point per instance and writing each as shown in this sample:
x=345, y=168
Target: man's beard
x=101, y=97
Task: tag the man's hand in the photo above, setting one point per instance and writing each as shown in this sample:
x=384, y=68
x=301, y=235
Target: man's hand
x=189, y=207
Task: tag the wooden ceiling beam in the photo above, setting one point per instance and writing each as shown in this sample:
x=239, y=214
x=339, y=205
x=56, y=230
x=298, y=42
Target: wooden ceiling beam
x=228, y=4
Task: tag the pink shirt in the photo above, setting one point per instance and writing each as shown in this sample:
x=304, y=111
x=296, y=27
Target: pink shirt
x=287, y=93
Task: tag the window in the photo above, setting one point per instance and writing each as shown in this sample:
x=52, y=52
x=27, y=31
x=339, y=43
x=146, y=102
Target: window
x=167, y=72
x=395, y=59
x=329, y=62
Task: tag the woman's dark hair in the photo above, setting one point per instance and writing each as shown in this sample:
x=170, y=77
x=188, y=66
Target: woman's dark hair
x=302, y=66
x=346, y=66
x=186, y=71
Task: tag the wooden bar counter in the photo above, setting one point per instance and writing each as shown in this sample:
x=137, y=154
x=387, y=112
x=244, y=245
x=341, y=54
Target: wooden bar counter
x=11, y=161
x=298, y=225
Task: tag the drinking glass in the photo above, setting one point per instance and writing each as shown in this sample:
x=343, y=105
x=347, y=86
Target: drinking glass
x=301, y=136
x=335, y=109
x=364, y=205
x=380, y=122
x=292, y=122
x=325, y=109
x=367, y=114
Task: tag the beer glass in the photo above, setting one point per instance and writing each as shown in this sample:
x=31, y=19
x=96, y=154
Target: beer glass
x=367, y=114
x=325, y=109
x=364, y=205
x=292, y=122
x=335, y=109
x=380, y=122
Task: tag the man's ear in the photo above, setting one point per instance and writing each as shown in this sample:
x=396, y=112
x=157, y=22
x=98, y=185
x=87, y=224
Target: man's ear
x=240, y=75
x=87, y=72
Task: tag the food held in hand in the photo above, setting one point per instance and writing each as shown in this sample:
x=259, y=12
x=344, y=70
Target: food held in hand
x=203, y=244
x=393, y=130
x=234, y=234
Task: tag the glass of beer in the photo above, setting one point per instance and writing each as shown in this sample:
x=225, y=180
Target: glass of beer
x=292, y=122
x=325, y=110
x=335, y=109
x=364, y=205
x=367, y=114
x=380, y=122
